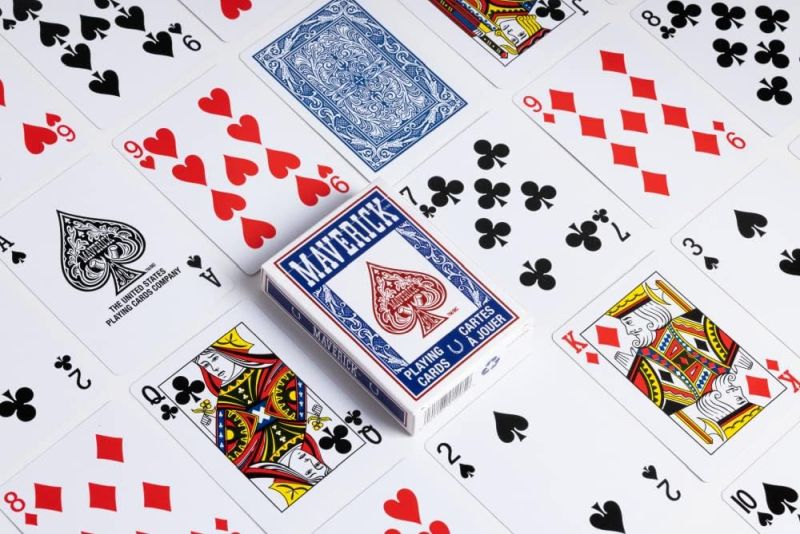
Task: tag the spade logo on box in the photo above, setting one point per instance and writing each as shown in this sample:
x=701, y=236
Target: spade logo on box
x=402, y=299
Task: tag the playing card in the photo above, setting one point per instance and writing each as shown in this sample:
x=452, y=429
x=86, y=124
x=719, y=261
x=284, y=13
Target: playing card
x=527, y=212
x=229, y=19
x=284, y=432
x=766, y=494
x=652, y=133
x=583, y=466
x=747, y=242
x=413, y=497
x=107, y=57
x=45, y=369
x=700, y=373
x=252, y=177
x=114, y=261
x=510, y=42
x=115, y=471
x=41, y=131
x=393, y=300
x=795, y=147
x=347, y=68
x=747, y=51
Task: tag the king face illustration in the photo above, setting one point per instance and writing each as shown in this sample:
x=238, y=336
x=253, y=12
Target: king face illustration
x=684, y=362
x=96, y=250
x=402, y=299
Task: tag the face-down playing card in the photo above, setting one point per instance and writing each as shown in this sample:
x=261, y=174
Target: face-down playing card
x=747, y=50
x=526, y=211
x=652, y=132
x=107, y=57
x=244, y=401
x=347, y=66
x=239, y=163
x=116, y=471
x=747, y=243
x=693, y=367
x=114, y=261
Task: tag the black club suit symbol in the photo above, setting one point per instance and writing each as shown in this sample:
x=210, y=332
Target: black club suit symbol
x=539, y=195
x=444, y=191
x=336, y=439
x=168, y=412
x=491, y=233
x=771, y=20
x=537, y=274
x=772, y=53
x=63, y=362
x=584, y=236
x=187, y=391
x=19, y=404
x=727, y=17
x=775, y=89
x=490, y=154
x=729, y=52
x=552, y=9
x=491, y=194
x=354, y=418
x=683, y=14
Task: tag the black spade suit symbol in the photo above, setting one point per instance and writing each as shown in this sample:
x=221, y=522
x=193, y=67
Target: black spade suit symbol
x=94, y=250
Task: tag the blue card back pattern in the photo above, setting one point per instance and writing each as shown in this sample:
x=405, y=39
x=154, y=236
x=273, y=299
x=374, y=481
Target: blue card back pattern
x=372, y=246
x=360, y=81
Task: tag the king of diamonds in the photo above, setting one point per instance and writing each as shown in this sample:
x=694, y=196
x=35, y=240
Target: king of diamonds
x=394, y=292
x=683, y=362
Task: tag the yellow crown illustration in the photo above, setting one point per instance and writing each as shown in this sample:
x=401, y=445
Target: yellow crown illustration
x=233, y=342
x=639, y=296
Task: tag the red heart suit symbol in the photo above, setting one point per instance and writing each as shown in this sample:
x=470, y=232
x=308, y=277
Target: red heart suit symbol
x=310, y=189
x=162, y=144
x=245, y=130
x=217, y=103
x=238, y=169
x=255, y=232
x=225, y=204
x=2, y=94
x=148, y=162
x=280, y=162
x=404, y=508
x=192, y=171
x=233, y=8
x=36, y=137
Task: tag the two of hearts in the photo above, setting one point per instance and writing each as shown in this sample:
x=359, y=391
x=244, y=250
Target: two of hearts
x=406, y=508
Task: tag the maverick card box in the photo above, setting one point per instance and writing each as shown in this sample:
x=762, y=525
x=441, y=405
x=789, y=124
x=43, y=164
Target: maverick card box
x=395, y=305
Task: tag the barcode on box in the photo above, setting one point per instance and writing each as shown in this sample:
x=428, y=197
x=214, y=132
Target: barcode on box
x=460, y=388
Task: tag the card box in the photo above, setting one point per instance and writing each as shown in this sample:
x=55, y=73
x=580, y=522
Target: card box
x=396, y=306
